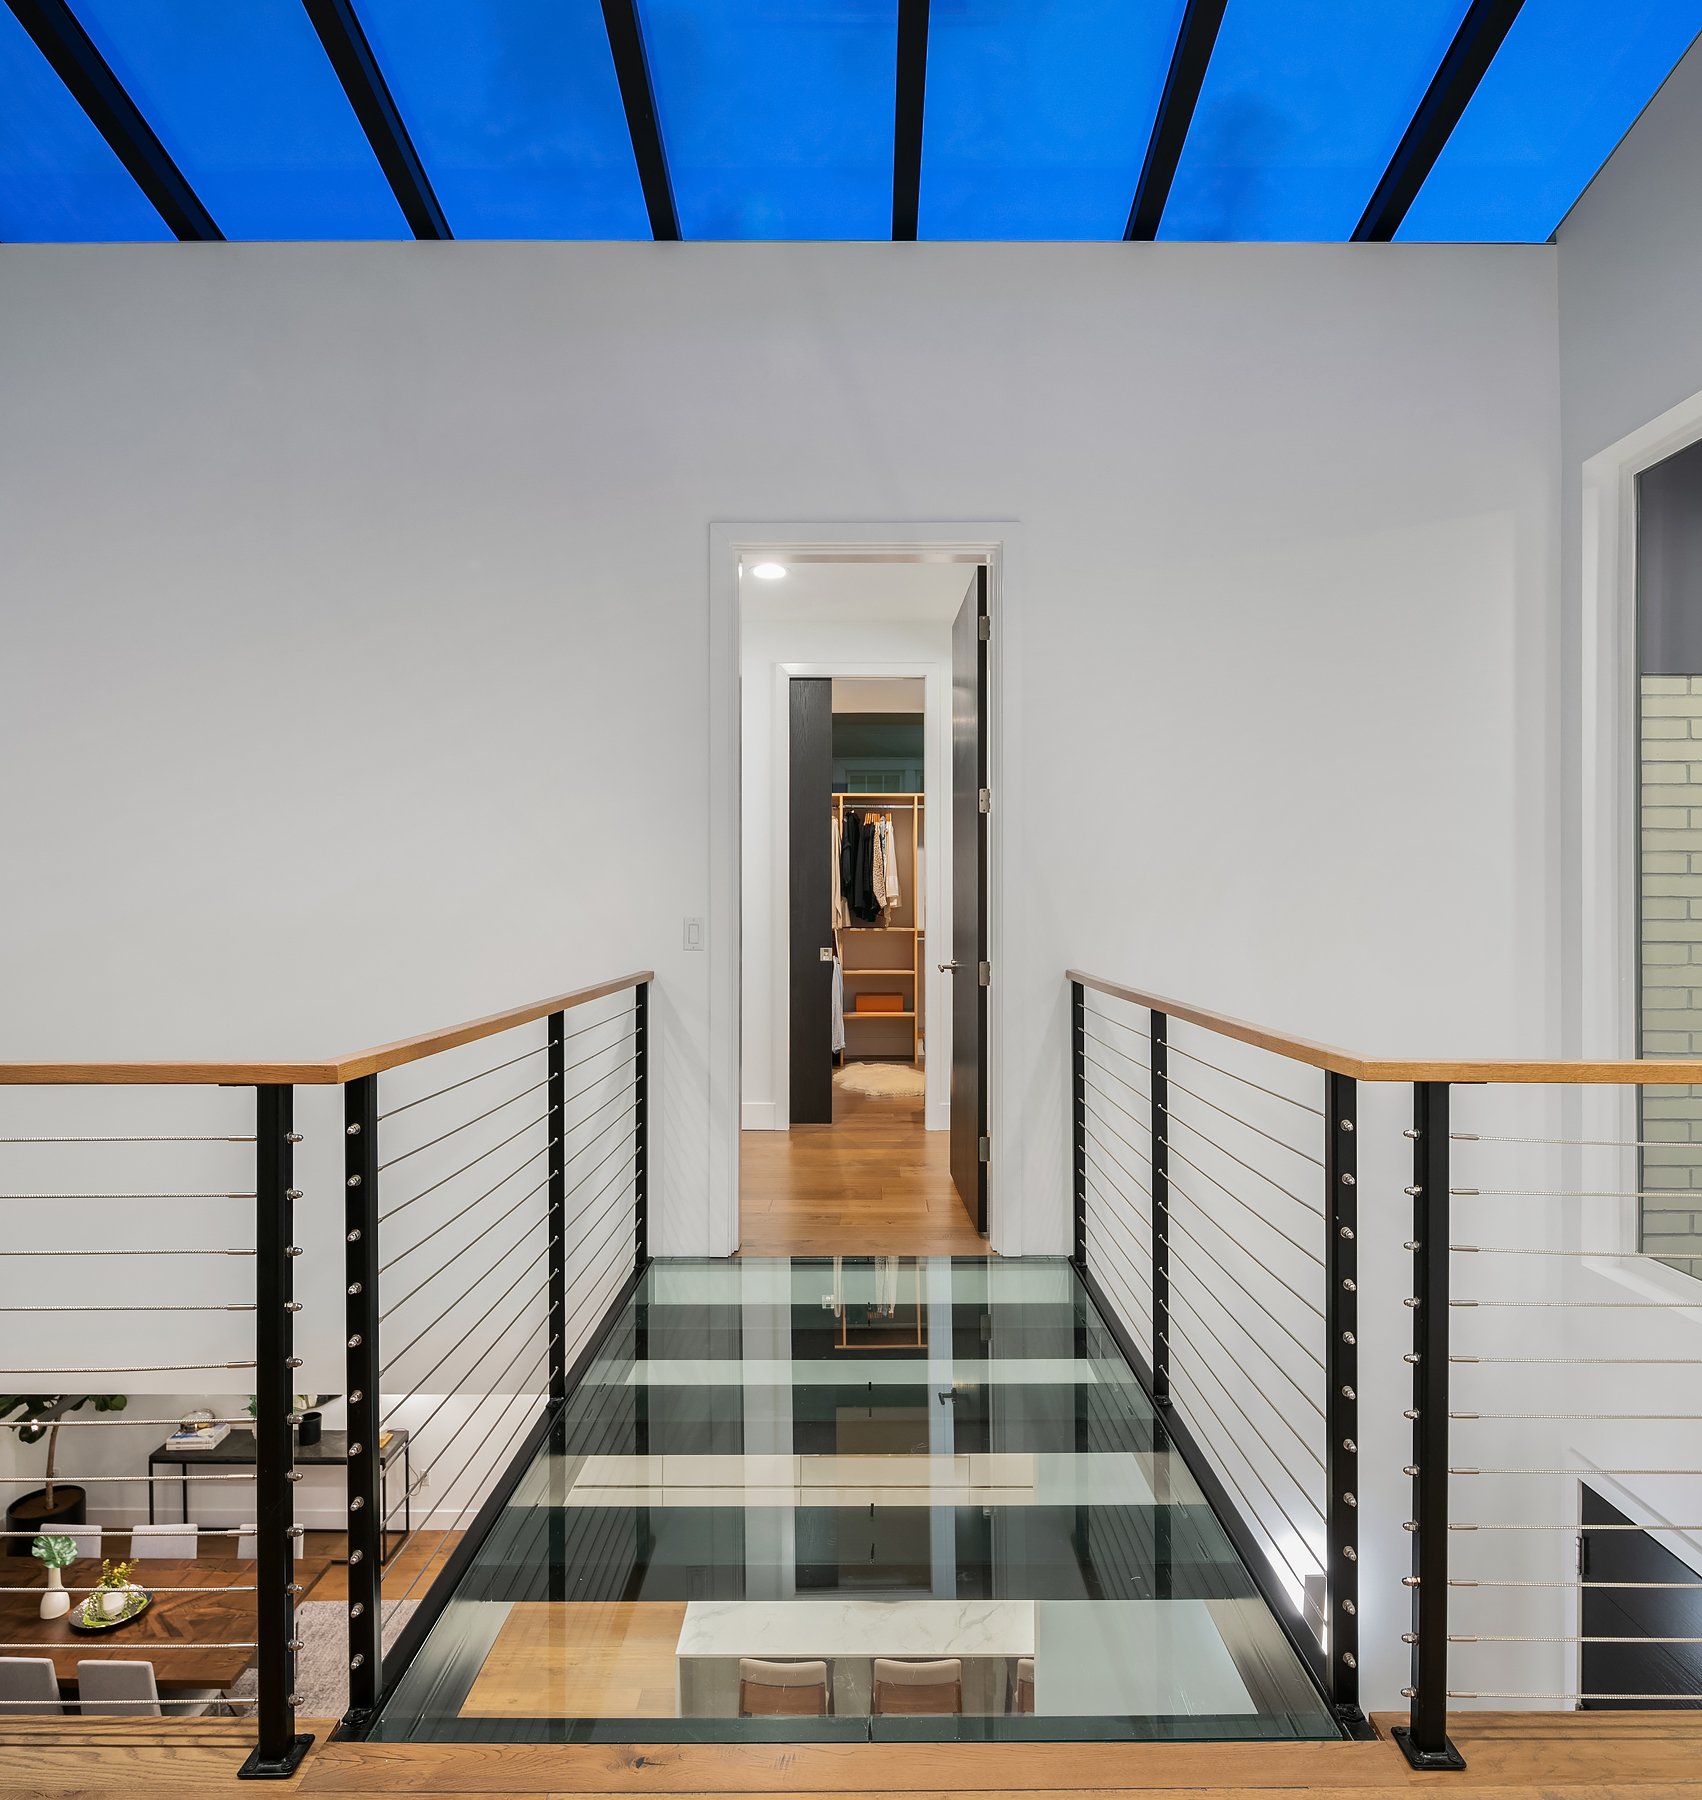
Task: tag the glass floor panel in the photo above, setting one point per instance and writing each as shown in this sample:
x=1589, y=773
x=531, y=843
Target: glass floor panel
x=839, y=1465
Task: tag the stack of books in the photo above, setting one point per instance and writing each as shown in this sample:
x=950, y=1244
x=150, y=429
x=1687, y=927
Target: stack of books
x=191, y=1436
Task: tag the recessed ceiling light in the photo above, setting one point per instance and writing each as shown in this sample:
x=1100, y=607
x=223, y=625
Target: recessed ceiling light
x=769, y=571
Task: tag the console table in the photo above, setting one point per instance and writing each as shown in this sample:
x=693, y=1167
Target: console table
x=332, y=1451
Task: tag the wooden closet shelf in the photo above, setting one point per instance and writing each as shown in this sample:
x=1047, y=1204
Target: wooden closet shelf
x=897, y=930
x=852, y=1013
x=901, y=972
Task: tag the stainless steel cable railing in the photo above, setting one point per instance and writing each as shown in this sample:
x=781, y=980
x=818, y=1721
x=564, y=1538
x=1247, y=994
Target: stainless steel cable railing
x=460, y=1360
x=1555, y=1460
x=1213, y=1218
x=459, y=1353
x=213, y=1621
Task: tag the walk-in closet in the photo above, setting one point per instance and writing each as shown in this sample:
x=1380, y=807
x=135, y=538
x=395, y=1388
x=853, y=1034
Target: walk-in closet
x=880, y=927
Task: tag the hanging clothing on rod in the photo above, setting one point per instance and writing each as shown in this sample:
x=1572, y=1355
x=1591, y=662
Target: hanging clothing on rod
x=889, y=863
x=841, y=913
x=838, y=1007
x=860, y=896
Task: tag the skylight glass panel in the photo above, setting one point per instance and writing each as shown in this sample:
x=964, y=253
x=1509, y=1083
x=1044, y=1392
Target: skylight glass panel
x=242, y=97
x=777, y=118
x=1303, y=105
x=1564, y=88
x=1038, y=117
x=515, y=110
x=59, y=181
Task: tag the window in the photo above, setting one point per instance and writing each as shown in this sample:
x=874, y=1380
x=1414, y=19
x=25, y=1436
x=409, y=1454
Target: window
x=1669, y=660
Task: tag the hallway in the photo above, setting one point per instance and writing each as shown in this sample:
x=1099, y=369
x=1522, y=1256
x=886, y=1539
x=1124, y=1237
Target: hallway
x=872, y=1183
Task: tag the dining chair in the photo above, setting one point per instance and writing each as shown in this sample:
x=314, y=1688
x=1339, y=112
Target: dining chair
x=783, y=1690
x=28, y=1685
x=934, y=1686
x=88, y=1540
x=107, y=1685
x=1022, y=1685
x=179, y=1542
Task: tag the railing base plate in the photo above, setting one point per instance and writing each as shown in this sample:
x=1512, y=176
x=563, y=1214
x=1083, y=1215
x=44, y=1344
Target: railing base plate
x=275, y=1768
x=1445, y=1758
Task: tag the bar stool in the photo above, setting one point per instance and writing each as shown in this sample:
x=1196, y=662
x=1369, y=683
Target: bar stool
x=783, y=1690
x=918, y=1687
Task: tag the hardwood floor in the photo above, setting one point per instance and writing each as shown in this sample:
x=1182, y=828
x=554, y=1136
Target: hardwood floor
x=873, y=1183
x=1509, y=1756
x=588, y=1660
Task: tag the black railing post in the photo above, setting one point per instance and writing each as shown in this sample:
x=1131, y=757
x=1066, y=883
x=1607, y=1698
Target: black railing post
x=1341, y=1403
x=278, y=1749
x=641, y=1126
x=1078, y=1117
x=367, y=1522
x=556, y=1131
x=1160, y=1209
x=1425, y=1737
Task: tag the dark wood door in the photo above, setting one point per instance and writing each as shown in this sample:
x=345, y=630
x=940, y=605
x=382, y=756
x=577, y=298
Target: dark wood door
x=809, y=883
x=1661, y=1600
x=969, y=902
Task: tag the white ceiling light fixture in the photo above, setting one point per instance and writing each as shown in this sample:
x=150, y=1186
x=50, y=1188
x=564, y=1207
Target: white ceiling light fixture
x=769, y=571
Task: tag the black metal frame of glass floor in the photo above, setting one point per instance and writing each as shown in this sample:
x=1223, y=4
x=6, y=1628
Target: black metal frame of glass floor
x=844, y=1459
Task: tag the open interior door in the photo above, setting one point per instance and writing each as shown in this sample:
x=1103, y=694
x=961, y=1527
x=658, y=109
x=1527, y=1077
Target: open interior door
x=810, y=889
x=968, y=965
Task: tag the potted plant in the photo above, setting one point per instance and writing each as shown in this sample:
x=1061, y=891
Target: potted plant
x=54, y=1553
x=53, y=1503
x=116, y=1592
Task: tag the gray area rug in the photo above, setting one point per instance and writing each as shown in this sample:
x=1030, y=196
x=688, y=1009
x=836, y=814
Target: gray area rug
x=322, y=1662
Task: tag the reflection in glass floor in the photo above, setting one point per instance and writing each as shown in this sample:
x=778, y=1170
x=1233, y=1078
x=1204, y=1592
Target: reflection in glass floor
x=828, y=1462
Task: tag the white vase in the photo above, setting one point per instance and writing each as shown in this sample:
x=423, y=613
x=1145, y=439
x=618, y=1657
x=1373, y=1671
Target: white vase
x=55, y=1603
x=114, y=1600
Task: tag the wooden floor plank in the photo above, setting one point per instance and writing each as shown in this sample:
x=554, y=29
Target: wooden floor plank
x=873, y=1183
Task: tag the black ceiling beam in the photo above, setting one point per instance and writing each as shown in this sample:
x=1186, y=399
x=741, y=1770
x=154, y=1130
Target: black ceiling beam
x=92, y=84
x=1450, y=91
x=1194, y=44
x=911, y=93
x=632, y=70
x=344, y=40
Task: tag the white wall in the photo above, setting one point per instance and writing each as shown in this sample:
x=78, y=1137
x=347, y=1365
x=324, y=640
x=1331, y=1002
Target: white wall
x=768, y=646
x=356, y=626
x=1630, y=267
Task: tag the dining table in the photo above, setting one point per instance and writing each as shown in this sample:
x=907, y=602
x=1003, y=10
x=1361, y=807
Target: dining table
x=198, y=1632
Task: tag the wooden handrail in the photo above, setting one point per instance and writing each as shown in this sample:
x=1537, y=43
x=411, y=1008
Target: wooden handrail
x=307, y=1074
x=1638, y=1072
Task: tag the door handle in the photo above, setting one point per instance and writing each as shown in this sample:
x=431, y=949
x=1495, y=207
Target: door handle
x=950, y=968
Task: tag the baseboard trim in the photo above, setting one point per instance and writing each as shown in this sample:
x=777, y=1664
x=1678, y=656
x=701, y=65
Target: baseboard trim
x=758, y=1115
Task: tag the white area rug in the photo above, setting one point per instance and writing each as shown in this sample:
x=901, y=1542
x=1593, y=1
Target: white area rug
x=882, y=1078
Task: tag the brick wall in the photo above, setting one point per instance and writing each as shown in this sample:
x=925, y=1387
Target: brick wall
x=1672, y=959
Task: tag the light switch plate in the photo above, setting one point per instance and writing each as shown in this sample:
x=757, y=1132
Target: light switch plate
x=694, y=934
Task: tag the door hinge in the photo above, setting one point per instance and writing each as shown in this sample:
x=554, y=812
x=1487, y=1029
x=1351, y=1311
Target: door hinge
x=984, y=627
x=985, y=1149
x=985, y=800
x=986, y=973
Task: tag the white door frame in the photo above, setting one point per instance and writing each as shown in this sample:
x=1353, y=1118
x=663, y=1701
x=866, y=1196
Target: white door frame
x=947, y=541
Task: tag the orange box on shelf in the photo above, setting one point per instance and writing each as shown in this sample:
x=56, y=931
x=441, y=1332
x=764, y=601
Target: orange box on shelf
x=879, y=1003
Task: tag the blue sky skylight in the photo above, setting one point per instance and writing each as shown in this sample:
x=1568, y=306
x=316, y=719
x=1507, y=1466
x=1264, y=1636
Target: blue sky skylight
x=247, y=106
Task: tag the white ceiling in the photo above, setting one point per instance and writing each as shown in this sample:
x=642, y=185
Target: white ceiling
x=855, y=590
x=876, y=694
